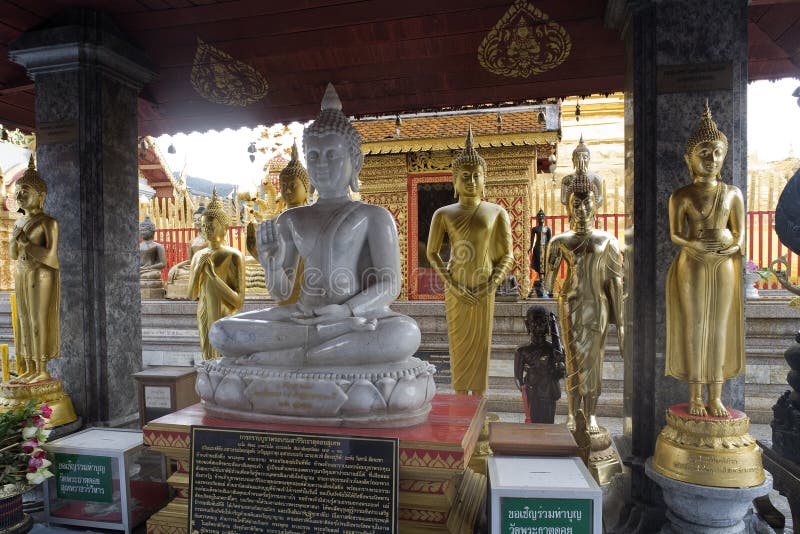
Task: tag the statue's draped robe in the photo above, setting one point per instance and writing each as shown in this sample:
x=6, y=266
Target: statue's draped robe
x=469, y=326
x=705, y=309
x=211, y=307
x=38, y=291
x=584, y=310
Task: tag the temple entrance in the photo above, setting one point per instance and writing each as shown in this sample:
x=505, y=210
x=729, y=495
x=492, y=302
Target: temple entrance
x=429, y=193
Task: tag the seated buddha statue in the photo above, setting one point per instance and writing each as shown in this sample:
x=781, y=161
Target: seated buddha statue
x=152, y=259
x=339, y=351
x=178, y=276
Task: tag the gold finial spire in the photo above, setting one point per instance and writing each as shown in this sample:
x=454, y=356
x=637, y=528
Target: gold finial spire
x=469, y=156
x=32, y=179
x=295, y=169
x=216, y=210
x=706, y=131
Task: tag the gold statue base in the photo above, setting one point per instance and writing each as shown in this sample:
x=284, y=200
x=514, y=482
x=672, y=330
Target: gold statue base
x=48, y=391
x=604, y=462
x=709, y=451
x=480, y=457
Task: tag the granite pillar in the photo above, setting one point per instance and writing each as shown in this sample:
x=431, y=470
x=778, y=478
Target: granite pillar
x=87, y=79
x=679, y=53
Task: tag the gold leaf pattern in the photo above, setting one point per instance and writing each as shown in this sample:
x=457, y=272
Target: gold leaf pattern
x=524, y=42
x=218, y=77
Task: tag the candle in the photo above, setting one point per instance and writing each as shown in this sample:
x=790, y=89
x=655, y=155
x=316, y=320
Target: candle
x=6, y=370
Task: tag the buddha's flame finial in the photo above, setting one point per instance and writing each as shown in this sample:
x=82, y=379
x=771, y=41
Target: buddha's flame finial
x=331, y=99
x=295, y=156
x=31, y=163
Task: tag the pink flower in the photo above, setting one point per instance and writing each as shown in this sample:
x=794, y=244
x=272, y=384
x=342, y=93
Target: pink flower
x=41, y=454
x=32, y=469
x=35, y=463
x=47, y=411
x=751, y=265
x=30, y=445
x=38, y=421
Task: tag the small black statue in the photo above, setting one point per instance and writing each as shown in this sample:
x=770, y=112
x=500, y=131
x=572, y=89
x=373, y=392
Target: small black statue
x=539, y=366
x=540, y=238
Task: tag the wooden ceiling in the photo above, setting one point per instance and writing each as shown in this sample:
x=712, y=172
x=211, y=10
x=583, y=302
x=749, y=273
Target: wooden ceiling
x=384, y=57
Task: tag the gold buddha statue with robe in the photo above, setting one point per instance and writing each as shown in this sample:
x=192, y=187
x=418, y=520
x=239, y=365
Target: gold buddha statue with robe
x=34, y=245
x=705, y=307
x=479, y=233
x=218, y=275
x=706, y=443
x=295, y=189
x=589, y=300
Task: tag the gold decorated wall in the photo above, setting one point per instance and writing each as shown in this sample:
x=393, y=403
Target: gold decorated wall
x=389, y=180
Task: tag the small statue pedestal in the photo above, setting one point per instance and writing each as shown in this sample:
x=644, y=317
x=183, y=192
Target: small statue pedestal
x=700, y=509
x=255, y=281
x=604, y=462
x=48, y=391
x=177, y=289
x=710, y=451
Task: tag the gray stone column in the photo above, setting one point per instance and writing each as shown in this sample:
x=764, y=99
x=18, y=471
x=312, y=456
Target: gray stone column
x=679, y=53
x=87, y=78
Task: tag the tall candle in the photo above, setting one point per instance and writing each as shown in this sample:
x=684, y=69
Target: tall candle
x=4, y=356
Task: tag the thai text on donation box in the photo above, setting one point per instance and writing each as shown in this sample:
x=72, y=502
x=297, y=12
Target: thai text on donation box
x=104, y=478
x=543, y=495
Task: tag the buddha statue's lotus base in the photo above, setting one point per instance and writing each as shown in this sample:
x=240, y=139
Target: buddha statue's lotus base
x=376, y=396
x=708, y=451
x=48, y=392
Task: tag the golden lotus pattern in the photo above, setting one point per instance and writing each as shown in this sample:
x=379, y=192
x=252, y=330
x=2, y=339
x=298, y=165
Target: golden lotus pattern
x=524, y=42
x=222, y=79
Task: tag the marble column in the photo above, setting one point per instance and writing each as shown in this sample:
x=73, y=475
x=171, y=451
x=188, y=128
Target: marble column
x=87, y=79
x=679, y=53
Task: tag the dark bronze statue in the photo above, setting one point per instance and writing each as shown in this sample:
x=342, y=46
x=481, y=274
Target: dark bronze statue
x=540, y=238
x=540, y=365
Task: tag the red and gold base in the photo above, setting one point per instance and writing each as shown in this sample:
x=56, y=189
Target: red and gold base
x=48, y=391
x=438, y=490
x=709, y=451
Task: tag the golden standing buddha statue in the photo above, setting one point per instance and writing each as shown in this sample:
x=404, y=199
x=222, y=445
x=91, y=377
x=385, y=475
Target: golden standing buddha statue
x=218, y=275
x=34, y=244
x=589, y=300
x=295, y=191
x=706, y=444
x=481, y=256
x=705, y=308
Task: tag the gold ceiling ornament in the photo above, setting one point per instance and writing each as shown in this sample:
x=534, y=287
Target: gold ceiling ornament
x=222, y=79
x=524, y=42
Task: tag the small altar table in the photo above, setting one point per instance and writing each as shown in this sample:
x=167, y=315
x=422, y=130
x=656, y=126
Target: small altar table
x=438, y=491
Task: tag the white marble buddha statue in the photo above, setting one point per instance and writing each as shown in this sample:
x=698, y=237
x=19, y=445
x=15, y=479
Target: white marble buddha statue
x=341, y=328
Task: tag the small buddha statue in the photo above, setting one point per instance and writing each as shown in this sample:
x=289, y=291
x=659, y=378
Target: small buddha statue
x=540, y=237
x=339, y=355
x=590, y=298
x=705, y=311
x=179, y=274
x=580, y=161
x=295, y=191
x=152, y=259
x=217, y=280
x=34, y=244
x=480, y=258
x=539, y=366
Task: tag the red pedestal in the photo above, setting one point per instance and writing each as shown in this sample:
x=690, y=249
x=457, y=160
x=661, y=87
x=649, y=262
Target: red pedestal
x=437, y=491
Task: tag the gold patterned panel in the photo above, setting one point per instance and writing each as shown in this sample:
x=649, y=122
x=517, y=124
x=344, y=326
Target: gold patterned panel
x=430, y=161
x=222, y=79
x=524, y=42
x=513, y=199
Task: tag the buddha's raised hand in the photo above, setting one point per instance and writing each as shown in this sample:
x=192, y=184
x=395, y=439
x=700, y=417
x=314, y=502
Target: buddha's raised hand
x=270, y=247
